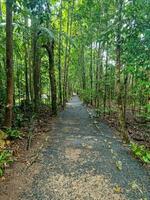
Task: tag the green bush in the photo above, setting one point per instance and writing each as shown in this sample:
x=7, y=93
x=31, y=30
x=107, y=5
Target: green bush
x=13, y=134
x=5, y=158
x=141, y=152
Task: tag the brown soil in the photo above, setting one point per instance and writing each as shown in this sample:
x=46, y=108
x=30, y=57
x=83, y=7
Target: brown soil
x=15, y=177
x=138, y=131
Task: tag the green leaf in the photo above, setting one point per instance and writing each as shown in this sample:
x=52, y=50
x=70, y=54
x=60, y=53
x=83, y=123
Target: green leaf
x=145, y=159
x=148, y=155
x=1, y=172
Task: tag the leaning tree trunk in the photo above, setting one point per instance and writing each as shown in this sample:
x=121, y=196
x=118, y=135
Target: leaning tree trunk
x=9, y=64
x=121, y=118
x=50, y=49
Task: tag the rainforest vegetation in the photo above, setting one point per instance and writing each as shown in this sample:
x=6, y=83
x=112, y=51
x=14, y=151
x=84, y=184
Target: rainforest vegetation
x=50, y=49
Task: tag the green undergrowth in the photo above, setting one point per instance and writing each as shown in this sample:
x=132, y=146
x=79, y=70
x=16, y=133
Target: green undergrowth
x=9, y=133
x=13, y=133
x=141, y=152
x=5, y=160
x=100, y=111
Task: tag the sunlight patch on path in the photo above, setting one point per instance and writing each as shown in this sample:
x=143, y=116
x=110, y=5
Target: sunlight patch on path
x=88, y=187
x=72, y=154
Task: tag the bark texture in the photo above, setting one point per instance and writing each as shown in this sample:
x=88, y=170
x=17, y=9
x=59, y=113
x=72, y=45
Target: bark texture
x=9, y=65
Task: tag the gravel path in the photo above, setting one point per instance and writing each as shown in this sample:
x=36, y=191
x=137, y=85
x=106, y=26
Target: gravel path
x=86, y=161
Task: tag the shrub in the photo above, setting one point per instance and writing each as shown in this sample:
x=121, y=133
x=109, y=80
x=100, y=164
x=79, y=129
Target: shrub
x=13, y=134
x=141, y=152
x=5, y=159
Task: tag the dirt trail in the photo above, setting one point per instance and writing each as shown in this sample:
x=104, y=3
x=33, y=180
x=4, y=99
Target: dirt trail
x=84, y=160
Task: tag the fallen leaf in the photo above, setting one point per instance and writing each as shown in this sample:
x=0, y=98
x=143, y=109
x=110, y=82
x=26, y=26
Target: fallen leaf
x=7, y=142
x=117, y=189
x=119, y=165
x=2, y=143
x=135, y=186
x=112, y=151
x=3, y=178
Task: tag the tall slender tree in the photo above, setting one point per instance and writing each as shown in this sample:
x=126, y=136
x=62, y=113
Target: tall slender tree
x=59, y=55
x=50, y=49
x=121, y=117
x=9, y=64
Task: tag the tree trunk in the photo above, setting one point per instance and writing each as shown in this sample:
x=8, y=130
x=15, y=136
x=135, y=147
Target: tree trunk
x=121, y=119
x=30, y=76
x=68, y=46
x=97, y=78
x=125, y=95
x=91, y=73
x=59, y=56
x=50, y=49
x=105, y=84
x=9, y=64
x=36, y=73
x=110, y=90
x=26, y=57
x=65, y=62
x=83, y=68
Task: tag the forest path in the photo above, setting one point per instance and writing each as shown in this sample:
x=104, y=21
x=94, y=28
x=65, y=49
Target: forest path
x=82, y=161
